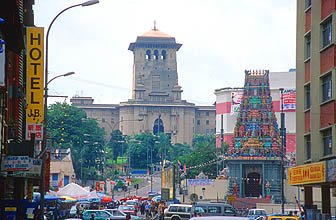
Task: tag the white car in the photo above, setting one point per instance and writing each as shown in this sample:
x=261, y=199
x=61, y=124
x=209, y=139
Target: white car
x=116, y=212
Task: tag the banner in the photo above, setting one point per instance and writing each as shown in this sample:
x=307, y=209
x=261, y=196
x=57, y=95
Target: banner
x=35, y=82
x=289, y=99
x=306, y=174
x=200, y=182
x=235, y=101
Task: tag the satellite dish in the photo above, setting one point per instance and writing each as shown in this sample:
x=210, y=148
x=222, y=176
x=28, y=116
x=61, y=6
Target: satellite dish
x=193, y=197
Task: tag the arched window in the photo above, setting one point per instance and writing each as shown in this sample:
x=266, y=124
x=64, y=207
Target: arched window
x=156, y=54
x=148, y=55
x=163, y=55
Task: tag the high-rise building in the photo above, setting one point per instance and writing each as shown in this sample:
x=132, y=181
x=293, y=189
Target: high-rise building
x=316, y=109
x=156, y=105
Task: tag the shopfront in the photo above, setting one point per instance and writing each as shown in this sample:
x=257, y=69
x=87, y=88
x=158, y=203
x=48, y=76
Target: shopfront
x=320, y=175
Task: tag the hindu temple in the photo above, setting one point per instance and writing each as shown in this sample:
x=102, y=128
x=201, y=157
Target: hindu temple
x=253, y=159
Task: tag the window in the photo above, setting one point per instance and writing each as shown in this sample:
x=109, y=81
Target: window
x=148, y=55
x=207, y=122
x=230, y=210
x=307, y=46
x=326, y=87
x=93, y=111
x=66, y=180
x=156, y=54
x=55, y=177
x=326, y=33
x=307, y=97
x=207, y=131
x=164, y=55
x=307, y=4
x=198, y=122
x=327, y=142
x=181, y=209
x=103, y=120
x=215, y=209
x=308, y=147
x=207, y=113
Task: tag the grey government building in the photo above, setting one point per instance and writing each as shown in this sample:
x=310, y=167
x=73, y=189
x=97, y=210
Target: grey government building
x=156, y=104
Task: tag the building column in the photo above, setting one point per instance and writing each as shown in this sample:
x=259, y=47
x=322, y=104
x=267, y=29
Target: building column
x=308, y=195
x=326, y=199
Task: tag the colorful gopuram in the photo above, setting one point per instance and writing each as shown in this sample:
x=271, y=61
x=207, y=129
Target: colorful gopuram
x=254, y=157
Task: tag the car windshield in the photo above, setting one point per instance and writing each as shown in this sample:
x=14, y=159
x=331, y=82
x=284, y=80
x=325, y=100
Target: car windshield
x=131, y=203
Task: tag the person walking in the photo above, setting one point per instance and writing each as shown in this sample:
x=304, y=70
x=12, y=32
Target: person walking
x=142, y=208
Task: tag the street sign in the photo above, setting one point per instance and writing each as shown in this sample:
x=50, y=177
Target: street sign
x=231, y=198
x=193, y=197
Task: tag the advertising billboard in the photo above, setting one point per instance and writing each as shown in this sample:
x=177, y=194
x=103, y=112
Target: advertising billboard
x=35, y=82
x=307, y=174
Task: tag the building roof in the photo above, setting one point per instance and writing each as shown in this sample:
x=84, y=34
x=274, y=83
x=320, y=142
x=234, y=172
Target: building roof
x=155, y=33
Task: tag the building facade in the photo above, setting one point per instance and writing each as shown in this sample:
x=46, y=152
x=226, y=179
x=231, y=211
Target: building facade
x=315, y=120
x=61, y=168
x=156, y=105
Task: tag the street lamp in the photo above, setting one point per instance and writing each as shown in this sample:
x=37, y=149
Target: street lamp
x=66, y=74
x=42, y=190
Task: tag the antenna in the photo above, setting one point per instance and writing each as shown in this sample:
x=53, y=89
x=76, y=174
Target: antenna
x=155, y=29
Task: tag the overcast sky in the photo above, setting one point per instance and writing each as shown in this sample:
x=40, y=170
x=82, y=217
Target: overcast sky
x=221, y=38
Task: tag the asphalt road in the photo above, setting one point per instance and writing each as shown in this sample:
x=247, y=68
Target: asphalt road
x=143, y=188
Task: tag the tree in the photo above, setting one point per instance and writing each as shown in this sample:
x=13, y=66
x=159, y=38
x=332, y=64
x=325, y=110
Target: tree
x=203, y=153
x=70, y=128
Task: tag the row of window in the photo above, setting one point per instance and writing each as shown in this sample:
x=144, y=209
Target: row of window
x=326, y=37
x=206, y=122
x=326, y=90
x=199, y=114
x=326, y=136
x=156, y=55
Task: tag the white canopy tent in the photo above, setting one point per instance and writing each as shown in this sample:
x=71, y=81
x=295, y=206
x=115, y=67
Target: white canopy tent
x=75, y=191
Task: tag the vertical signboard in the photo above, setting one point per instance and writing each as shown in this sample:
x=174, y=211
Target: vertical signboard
x=289, y=99
x=35, y=82
x=235, y=101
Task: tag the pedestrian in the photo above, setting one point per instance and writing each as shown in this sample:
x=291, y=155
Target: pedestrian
x=142, y=208
x=128, y=216
x=147, y=209
x=93, y=217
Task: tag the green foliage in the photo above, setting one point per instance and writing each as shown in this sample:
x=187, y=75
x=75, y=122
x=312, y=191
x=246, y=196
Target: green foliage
x=203, y=152
x=69, y=128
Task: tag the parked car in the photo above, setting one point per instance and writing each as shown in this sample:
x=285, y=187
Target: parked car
x=217, y=209
x=220, y=218
x=127, y=209
x=116, y=213
x=281, y=217
x=178, y=212
x=132, y=203
x=255, y=213
x=98, y=215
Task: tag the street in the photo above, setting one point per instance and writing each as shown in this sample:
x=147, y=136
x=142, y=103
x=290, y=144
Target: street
x=144, y=187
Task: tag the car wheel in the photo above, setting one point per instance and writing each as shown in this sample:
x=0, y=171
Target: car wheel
x=175, y=218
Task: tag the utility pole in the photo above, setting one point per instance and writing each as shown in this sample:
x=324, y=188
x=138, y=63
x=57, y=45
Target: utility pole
x=283, y=151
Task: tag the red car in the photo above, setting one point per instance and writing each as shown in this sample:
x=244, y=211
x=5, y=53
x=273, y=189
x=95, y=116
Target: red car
x=127, y=209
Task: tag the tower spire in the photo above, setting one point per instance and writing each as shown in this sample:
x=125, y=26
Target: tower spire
x=155, y=29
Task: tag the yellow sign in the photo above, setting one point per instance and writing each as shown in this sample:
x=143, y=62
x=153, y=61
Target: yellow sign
x=35, y=82
x=10, y=209
x=306, y=174
x=231, y=198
